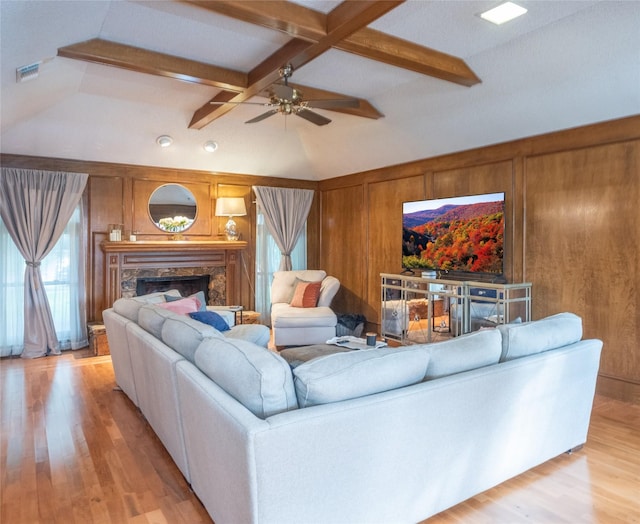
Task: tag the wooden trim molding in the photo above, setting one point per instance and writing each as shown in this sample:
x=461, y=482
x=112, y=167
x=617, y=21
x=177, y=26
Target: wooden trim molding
x=120, y=256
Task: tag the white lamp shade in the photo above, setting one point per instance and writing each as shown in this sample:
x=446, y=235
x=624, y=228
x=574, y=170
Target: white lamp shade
x=230, y=206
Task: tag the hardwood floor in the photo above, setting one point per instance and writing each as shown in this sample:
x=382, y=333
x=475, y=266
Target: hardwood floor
x=73, y=450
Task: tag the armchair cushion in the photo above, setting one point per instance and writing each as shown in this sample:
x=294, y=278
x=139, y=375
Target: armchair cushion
x=284, y=283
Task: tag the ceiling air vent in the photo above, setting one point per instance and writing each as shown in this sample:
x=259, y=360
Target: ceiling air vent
x=28, y=72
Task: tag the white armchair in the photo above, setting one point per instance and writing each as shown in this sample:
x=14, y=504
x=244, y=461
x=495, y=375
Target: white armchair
x=299, y=326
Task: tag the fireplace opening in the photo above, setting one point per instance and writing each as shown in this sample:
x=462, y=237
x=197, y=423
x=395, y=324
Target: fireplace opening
x=187, y=285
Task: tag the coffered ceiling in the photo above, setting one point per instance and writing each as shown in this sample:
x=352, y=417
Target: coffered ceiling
x=431, y=78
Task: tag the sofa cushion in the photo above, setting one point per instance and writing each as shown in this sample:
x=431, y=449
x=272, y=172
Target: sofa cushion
x=183, y=306
x=255, y=333
x=151, y=318
x=355, y=374
x=256, y=377
x=184, y=334
x=306, y=294
x=475, y=350
x=211, y=318
x=129, y=307
x=529, y=338
x=199, y=296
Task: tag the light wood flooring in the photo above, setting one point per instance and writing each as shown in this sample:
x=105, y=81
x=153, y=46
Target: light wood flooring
x=73, y=450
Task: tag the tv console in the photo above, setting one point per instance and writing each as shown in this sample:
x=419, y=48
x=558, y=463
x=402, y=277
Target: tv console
x=417, y=310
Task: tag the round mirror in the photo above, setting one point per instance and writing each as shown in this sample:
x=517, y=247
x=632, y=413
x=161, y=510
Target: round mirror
x=172, y=207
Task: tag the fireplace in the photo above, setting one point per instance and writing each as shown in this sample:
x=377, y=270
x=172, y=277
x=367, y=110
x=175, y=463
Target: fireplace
x=187, y=285
x=188, y=280
x=175, y=263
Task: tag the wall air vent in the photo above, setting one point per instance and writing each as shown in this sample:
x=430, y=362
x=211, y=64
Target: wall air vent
x=28, y=72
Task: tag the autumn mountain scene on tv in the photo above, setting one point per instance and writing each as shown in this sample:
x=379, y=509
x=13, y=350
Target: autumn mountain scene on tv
x=466, y=237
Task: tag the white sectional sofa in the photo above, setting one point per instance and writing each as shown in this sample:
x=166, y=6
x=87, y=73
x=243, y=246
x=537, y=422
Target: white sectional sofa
x=375, y=436
x=144, y=359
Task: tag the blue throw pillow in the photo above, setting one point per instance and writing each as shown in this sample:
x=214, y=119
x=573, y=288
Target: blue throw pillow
x=199, y=296
x=211, y=318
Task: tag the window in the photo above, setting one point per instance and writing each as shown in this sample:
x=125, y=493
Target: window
x=62, y=273
x=268, y=260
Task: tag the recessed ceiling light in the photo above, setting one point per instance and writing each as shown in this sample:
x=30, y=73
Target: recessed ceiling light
x=503, y=13
x=164, y=140
x=210, y=146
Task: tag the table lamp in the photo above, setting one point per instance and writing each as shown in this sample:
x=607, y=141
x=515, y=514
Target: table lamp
x=230, y=207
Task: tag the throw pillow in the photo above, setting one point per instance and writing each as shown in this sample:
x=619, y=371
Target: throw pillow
x=210, y=318
x=183, y=306
x=199, y=296
x=306, y=294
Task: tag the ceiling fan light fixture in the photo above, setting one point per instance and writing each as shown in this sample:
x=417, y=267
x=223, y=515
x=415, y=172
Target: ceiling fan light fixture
x=503, y=13
x=210, y=146
x=164, y=140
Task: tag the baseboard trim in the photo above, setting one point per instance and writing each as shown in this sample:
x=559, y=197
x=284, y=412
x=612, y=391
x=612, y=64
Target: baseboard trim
x=619, y=389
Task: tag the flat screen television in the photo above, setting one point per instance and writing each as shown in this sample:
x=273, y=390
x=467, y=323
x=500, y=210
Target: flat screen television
x=459, y=234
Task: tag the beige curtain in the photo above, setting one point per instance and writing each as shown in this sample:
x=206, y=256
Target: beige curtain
x=35, y=207
x=285, y=214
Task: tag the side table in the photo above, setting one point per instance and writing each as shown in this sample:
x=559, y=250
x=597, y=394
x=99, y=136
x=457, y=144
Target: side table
x=98, y=343
x=249, y=317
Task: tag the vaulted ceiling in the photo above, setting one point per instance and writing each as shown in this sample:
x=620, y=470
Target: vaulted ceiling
x=431, y=77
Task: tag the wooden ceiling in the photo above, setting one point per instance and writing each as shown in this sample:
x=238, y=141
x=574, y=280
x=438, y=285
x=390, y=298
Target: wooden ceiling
x=313, y=33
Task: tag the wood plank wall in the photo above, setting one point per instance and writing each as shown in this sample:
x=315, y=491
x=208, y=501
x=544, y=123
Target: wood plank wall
x=573, y=229
x=571, y=210
x=118, y=193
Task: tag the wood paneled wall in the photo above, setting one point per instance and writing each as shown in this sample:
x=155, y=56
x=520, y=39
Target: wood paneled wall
x=573, y=225
x=118, y=193
x=573, y=230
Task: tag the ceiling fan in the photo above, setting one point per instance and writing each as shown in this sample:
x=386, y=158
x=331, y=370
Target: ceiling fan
x=288, y=100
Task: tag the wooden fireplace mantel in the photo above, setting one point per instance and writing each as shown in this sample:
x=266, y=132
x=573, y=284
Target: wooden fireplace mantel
x=171, y=245
x=157, y=254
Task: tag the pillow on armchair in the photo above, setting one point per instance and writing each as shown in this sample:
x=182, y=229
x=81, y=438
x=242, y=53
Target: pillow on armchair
x=306, y=294
x=284, y=283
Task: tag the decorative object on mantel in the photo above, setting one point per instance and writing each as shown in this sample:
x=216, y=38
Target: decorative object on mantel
x=115, y=232
x=230, y=207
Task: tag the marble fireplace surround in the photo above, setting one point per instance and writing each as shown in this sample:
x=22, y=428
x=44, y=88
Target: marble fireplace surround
x=126, y=261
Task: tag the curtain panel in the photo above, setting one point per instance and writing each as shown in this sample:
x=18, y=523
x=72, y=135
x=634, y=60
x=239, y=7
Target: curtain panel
x=285, y=214
x=35, y=207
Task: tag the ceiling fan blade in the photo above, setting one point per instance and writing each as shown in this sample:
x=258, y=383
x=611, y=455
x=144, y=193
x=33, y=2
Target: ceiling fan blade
x=242, y=103
x=282, y=91
x=312, y=117
x=262, y=116
x=329, y=104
